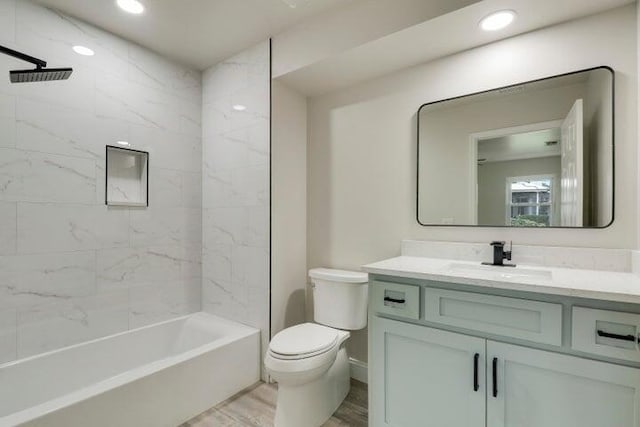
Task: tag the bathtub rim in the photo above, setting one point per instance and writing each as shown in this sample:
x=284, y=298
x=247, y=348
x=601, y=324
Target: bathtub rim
x=240, y=332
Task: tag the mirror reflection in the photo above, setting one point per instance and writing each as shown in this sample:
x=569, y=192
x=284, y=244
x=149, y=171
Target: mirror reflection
x=538, y=154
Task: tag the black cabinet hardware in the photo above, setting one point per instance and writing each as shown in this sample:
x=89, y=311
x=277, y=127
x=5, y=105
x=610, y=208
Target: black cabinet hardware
x=395, y=300
x=495, y=377
x=604, y=334
x=476, y=386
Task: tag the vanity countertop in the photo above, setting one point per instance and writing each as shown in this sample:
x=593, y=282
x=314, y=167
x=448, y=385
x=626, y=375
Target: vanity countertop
x=593, y=284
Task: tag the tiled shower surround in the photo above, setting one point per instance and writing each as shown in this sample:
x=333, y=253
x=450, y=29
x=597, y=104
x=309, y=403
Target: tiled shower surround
x=236, y=162
x=72, y=269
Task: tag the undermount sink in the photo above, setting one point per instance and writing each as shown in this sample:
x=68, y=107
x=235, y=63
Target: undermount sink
x=499, y=272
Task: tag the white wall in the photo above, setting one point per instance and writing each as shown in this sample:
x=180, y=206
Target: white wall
x=236, y=178
x=362, y=162
x=289, y=207
x=72, y=269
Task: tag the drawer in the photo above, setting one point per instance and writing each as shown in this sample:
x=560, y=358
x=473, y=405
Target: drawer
x=606, y=333
x=396, y=299
x=511, y=317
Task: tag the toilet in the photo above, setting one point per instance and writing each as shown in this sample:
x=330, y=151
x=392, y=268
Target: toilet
x=309, y=361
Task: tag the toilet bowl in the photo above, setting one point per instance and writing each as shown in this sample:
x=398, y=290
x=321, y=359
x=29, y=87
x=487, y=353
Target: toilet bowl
x=309, y=361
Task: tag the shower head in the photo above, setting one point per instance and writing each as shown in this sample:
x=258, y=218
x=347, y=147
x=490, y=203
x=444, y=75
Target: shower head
x=40, y=75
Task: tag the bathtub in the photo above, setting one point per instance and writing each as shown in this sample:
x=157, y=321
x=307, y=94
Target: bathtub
x=158, y=375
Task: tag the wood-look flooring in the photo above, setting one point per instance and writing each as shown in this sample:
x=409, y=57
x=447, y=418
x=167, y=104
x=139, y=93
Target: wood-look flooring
x=256, y=407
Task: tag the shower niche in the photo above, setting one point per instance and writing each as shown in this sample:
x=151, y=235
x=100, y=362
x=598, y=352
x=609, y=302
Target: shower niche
x=127, y=177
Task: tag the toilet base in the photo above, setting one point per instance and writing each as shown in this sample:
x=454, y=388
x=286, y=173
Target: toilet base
x=313, y=403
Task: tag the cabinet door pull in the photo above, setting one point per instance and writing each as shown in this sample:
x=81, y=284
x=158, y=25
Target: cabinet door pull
x=397, y=301
x=617, y=336
x=476, y=385
x=495, y=377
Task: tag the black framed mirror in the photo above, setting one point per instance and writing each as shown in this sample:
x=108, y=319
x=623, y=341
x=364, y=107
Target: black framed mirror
x=535, y=154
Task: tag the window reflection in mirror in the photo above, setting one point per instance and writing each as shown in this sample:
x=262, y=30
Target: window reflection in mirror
x=539, y=154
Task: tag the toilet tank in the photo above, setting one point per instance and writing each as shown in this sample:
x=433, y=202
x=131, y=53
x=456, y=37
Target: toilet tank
x=339, y=298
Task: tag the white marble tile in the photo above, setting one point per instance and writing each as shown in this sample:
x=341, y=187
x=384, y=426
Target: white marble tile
x=225, y=299
x=71, y=321
x=49, y=227
x=35, y=177
x=168, y=150
x=120, y=99
x=192, y=189
x=8, y=228
x=7, y=121
x=131, y=266
x=7, y=21
x=157, y=226
x=157, y=302
x=52, y=129
x=29, y=280
x=8, y=335
x=191, y=265
x=216, y=262
x=250, y=266
x=150, y=69
x=165, y=188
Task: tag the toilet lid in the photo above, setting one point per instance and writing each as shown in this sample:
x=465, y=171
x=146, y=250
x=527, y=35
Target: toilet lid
x=303, y=339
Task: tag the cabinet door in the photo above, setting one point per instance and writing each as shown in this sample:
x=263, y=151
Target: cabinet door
x=541, y=389
x=425, y=377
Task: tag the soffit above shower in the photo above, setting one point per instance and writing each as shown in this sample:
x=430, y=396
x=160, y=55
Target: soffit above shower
x=198, y=33
x=435, y=38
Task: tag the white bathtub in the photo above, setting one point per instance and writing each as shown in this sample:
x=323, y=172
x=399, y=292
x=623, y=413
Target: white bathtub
x=159, y=375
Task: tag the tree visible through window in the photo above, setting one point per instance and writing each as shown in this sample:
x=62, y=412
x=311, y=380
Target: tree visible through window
x=529, y=201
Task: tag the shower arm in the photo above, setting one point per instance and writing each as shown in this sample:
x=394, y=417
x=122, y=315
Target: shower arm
x=37, y=62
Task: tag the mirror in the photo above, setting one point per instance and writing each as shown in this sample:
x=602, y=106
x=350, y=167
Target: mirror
x=536, y=154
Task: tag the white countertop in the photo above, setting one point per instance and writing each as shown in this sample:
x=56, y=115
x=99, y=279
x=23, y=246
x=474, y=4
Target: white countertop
x=594, y=284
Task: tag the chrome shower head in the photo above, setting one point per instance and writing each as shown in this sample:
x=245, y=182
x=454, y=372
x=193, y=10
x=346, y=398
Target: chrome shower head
x=40, y=75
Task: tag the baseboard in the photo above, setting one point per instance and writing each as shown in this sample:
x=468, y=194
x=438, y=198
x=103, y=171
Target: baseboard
x=359, y=370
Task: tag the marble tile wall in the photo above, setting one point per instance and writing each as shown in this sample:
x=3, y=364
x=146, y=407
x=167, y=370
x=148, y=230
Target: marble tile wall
x=72, y=269
x=236, y=181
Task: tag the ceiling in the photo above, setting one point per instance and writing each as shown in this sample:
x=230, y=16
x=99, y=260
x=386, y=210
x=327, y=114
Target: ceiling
x=398, y=50
x=198, y=33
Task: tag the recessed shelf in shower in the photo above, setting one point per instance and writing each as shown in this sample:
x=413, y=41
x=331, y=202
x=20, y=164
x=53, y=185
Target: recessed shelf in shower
x=127, y=177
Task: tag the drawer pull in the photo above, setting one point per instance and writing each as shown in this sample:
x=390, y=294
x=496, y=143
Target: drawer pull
x=394, y=300
x=495, y=377
x=617, y=336
x=476, y=385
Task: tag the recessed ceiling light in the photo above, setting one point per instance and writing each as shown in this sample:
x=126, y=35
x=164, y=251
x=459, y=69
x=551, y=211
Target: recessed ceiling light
x=82, y=50
x=239, y=107
x=125, y=143
x=131, y=6
x=497, y=20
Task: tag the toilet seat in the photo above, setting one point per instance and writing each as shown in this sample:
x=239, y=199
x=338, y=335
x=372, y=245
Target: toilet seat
x=303, y=341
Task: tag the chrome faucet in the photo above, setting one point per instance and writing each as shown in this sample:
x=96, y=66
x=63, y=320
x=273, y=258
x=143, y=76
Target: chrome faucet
x=499, y=254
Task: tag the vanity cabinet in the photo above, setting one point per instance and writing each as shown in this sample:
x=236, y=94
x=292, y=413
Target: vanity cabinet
x=493, y=369
x=426, y=377
x=543, y=389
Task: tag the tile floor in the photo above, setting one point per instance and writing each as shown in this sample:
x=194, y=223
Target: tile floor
x=256, y=407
